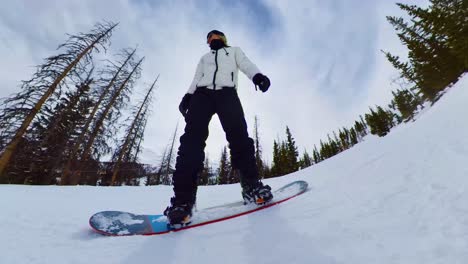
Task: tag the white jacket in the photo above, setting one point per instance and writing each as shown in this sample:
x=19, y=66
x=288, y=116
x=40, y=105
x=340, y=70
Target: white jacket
x=218, y=69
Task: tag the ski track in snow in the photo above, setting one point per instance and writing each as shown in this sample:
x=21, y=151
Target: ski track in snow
x=398, y=199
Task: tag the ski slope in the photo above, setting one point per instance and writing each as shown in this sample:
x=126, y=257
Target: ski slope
x=398, y=199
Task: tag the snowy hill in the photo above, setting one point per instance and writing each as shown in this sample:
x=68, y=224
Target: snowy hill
x=398, y=199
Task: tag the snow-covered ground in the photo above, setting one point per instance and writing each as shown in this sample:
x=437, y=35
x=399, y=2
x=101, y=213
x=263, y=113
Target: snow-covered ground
x=398, y=199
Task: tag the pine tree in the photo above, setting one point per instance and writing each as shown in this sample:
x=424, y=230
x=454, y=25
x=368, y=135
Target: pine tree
x=234, y=176
x=324, y=151
x=275, y=169
x=285, y=156
x=406, y=103
x=258, y=150
x=224, y=167
x=361, y=129
x=305, y=161
x=292, y=154
x=380, y=121
x=285, y=160
x=437, y=43
x=206, y=172
x=334, y=143
x=267, y=170
x=316, y=155
x=353, y=137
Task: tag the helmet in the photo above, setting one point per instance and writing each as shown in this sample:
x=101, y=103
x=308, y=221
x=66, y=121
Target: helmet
x=219, y=33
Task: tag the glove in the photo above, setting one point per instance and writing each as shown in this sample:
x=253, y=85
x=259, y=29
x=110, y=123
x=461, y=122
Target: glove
x=262, y=81
x=184, y=105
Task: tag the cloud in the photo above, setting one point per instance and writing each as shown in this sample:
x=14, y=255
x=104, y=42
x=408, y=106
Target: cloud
x=323, y=57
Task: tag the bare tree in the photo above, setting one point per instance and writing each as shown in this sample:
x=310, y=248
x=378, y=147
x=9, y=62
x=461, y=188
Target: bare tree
x=20, y=111
x=160, y=178
x=108, y=85
x=98, y=128
x=97, y=132
x=170, y=156
x=166, y=170
x=134, y=133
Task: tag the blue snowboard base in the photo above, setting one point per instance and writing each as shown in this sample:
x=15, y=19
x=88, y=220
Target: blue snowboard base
x=118, y=223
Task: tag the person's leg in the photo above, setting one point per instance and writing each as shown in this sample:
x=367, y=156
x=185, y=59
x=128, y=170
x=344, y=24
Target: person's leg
x=191, y=153
x=231, y=115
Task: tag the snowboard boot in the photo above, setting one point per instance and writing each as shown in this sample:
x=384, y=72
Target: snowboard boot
x=257, y=193
x=179, y=213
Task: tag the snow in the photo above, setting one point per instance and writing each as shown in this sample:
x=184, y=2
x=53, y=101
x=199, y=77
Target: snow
x=398, y=199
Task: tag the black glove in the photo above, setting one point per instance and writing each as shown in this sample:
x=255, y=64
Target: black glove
x=184, y=105
x=262, y=81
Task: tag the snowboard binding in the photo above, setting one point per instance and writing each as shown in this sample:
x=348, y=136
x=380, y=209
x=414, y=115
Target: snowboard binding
x=184, y=223
x=259, y=194
x=178, y=214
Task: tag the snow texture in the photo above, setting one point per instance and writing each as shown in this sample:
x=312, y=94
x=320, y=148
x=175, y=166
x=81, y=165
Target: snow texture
x=398, y=199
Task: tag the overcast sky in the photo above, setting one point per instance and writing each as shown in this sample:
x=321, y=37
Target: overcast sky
x=323, y=57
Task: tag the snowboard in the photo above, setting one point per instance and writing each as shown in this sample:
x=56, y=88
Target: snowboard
x=118, y=223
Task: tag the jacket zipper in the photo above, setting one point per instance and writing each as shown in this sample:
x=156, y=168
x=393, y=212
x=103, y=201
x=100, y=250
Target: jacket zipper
x=216, y=71
x=232, y=76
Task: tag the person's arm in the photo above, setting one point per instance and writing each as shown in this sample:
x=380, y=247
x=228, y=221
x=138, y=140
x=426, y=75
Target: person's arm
x=245, y=65
x=197, y=77
x=252, y=71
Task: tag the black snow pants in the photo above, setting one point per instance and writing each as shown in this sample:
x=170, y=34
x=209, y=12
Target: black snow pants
x=203, y=105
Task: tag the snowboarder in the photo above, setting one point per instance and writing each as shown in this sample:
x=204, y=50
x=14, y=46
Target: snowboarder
x=213, y=91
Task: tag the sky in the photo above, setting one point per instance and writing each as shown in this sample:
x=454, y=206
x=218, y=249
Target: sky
x=323, y=58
